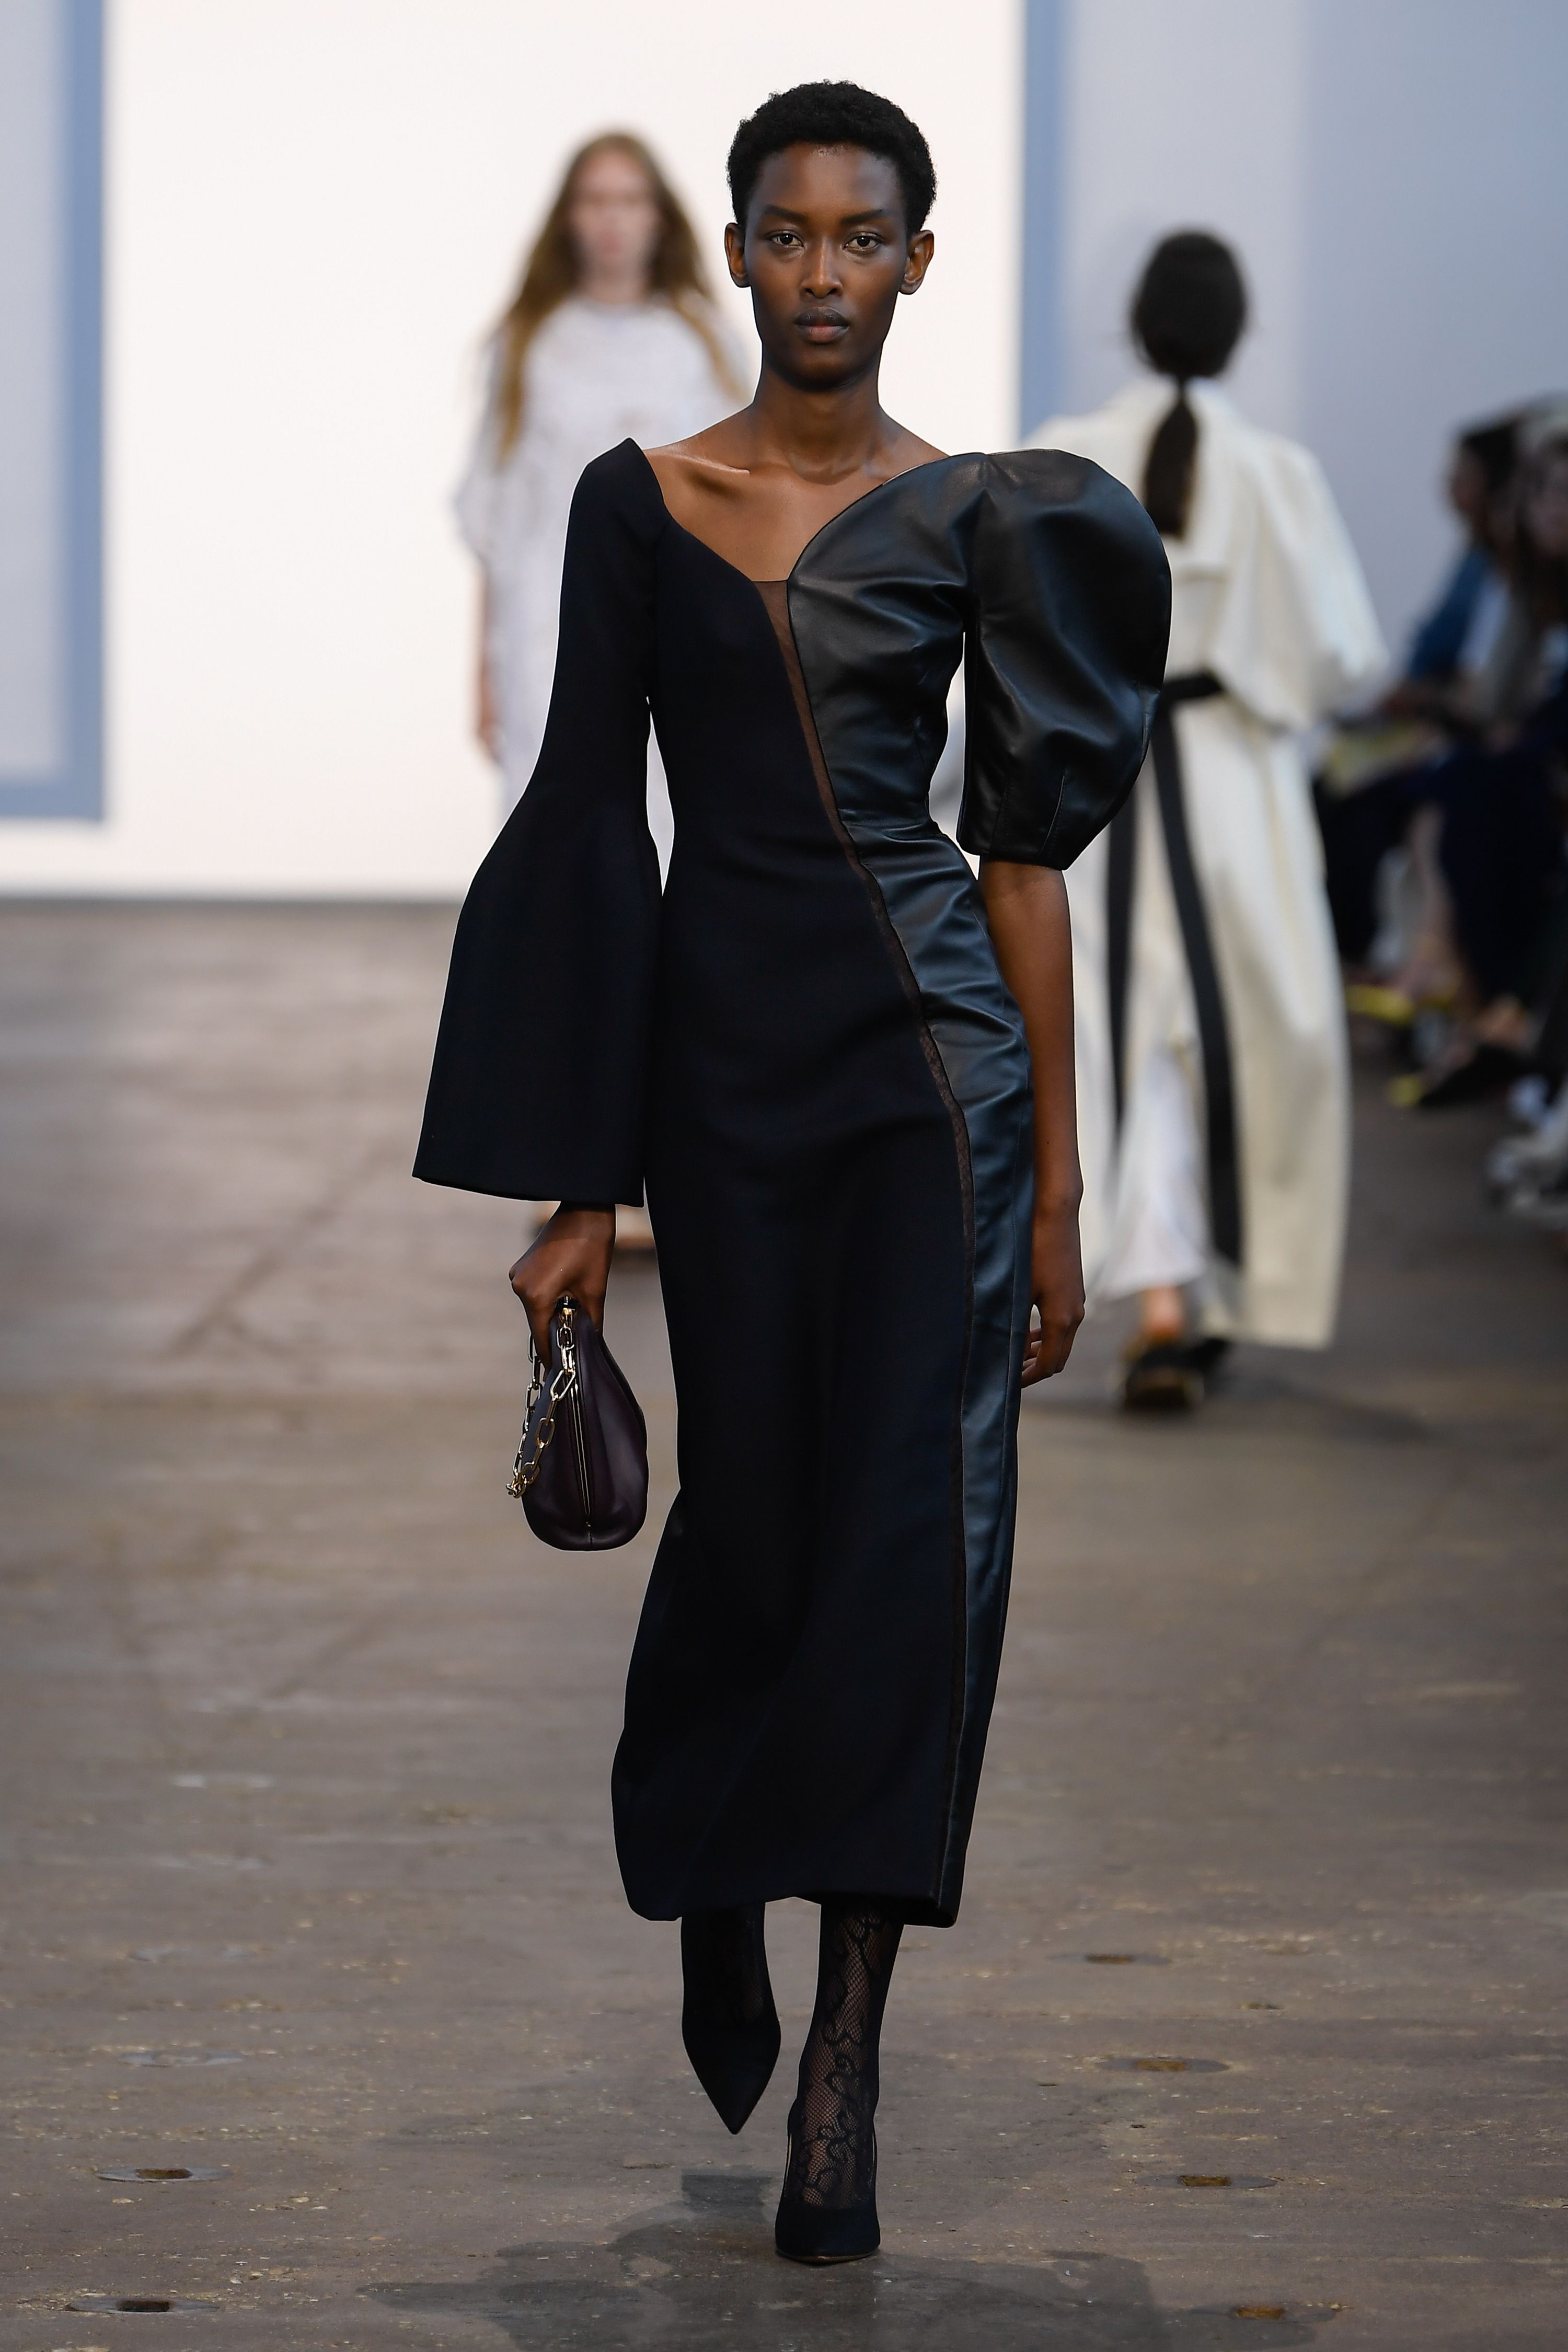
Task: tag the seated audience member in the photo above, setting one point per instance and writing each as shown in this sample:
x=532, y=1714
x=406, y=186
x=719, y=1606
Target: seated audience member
x=1366, y=805
x=1528, y=1174
x=1499, y=794
x=1456, y=637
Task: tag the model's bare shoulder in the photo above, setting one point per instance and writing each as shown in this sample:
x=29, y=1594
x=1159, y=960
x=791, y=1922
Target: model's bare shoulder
x=724, y=444
x=910, y=450
x=700, y=486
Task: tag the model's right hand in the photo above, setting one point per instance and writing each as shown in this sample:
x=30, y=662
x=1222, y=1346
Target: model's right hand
x=572, y=1253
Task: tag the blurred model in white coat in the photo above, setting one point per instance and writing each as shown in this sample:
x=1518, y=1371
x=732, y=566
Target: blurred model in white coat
x=611, y=336
x=1211, y=1052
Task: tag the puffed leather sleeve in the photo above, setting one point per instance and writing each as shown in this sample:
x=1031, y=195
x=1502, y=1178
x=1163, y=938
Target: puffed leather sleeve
x=1064, y=658
x=539, y=1076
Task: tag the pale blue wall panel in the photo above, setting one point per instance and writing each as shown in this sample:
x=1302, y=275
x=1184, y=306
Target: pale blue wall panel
x=1040, y=353
x=50, y=409
x=1434, y=251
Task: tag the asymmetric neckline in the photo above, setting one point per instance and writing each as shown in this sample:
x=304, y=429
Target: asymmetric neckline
x=925, y=467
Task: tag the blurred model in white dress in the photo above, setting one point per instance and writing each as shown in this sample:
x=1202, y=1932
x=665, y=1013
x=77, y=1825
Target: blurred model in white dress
x=1213, y=1100
x=611, y=336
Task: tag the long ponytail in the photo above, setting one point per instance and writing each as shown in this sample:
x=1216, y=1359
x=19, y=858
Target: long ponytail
x=1170, y=467
x=1188, y=317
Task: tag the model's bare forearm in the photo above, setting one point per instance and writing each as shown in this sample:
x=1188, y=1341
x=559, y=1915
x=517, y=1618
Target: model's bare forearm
x=1027, y=907
x=486, y=726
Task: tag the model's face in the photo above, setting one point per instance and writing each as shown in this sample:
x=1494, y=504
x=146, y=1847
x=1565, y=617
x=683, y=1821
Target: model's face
x=1546, y=509
x=827, y=254
x=1469, y=491
x=614, y=218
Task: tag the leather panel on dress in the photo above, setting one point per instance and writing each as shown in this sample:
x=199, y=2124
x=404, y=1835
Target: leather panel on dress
x=1049, y=579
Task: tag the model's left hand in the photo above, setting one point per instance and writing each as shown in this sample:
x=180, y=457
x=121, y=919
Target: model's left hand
x=1056, y=1286
x=571, y=1253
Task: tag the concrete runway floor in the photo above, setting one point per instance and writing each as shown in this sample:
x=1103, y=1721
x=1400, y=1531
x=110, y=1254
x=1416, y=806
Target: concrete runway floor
x=1253, y=2032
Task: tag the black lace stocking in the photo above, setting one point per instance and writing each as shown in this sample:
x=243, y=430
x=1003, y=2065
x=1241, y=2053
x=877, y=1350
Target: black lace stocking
x=832, y=2145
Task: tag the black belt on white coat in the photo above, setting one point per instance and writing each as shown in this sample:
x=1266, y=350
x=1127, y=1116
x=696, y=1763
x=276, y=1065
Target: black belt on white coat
x=1214, y=1032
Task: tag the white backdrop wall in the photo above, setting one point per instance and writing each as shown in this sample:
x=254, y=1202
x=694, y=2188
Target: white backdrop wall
x=314, y=208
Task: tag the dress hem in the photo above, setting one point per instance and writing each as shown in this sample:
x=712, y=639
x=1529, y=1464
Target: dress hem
x=910, y=1910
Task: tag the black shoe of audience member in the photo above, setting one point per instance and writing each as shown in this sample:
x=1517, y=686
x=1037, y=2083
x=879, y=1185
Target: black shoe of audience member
x=1489, y=1071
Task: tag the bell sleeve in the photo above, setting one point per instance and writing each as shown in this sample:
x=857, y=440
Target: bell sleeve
x=1064, y=655
x=537, y=1089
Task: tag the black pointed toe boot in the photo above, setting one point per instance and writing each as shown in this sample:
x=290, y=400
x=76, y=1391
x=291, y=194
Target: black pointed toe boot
x=728, y=2021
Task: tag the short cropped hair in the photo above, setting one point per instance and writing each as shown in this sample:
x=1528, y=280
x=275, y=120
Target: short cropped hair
x=833, y=114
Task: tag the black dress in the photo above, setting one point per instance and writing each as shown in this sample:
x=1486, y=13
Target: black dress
x=807, y=1054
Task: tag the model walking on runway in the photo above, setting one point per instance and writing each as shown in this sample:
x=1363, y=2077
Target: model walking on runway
x=611, y=333
x=1212, y=1099
x=844, y=1071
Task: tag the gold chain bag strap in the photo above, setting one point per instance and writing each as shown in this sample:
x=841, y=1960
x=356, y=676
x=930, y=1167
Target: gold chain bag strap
x=580, y=1471
x=537, y=1435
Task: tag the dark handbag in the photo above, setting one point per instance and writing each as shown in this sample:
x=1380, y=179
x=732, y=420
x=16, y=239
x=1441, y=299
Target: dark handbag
x=581, y=1471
